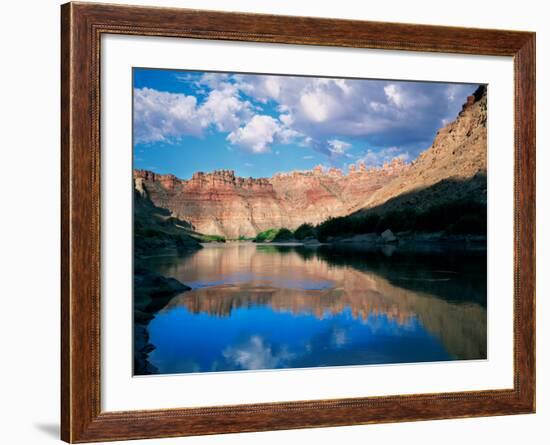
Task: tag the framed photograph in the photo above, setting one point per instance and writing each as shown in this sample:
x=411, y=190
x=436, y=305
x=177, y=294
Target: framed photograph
x=274, y=222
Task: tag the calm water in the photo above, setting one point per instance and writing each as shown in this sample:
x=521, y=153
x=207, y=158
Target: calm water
x=266, y=307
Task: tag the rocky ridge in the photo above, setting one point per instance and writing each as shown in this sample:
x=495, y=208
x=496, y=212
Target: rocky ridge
x=220, y=203
x=454, y=167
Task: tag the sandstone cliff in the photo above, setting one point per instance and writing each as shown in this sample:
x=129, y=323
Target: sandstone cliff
x=221, y=203
x=453, y=168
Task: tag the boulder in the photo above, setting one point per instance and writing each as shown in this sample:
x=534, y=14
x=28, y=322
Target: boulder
x=388, y=236
x=151, y=293
x=365, y=238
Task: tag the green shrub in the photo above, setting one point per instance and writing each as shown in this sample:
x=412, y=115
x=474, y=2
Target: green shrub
x=266, y=235
x=275, y=235
x=333, y=227
x=283, y=234
x=441, y=217
x=212, y=238
x=397, y=221
x=367, y=224
x=457, y=217
x=469, y=224
x=347, y=226
x=304, y=231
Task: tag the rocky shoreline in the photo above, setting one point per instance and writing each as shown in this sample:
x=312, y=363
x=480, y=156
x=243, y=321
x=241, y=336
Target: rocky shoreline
x=152, y=292
x=407, y=240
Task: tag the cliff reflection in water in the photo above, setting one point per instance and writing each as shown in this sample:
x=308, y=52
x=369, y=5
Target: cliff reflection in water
x=257, y=307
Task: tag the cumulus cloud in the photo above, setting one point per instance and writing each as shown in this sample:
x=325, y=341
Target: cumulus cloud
x=376, y=158
x=286, y=119
x=339, y=338
x=256, y=354
x=318, y=106
x=213, y=80
x=162, y=116
x=338, y=147
x=390, y=111
x=159, y=116
x=261, y=131
x=394, y=95
x=257, y=111
x=257, y=135
x=224, y=108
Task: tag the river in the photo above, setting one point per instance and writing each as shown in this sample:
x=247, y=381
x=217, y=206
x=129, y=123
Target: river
x=270, y=307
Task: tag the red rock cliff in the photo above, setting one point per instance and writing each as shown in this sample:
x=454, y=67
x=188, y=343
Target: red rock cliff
x=221, y=203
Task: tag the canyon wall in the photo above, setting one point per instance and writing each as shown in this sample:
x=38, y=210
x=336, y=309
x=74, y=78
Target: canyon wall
x=453, y=168
x=220, y=203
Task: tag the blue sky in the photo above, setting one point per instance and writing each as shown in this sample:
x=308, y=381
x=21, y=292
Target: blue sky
x=257, y=125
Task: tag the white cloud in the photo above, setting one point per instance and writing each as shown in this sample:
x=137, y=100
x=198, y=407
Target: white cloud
x=376, y=158
x=286, y=119
x=255, y=354
x=225, y=109
x=453, y=90
x=316, y=105
x=313, y=112
x=307, y=141
x=378, y=106
x=213, y=80
x=257, y=135
x=321, y=109
x=343, y=85
x=404, y=96
x=266, y=87
x=159, y=116
x=339, y=338
x=162, y=116
x=394, y=95
x=338, y=147
x=273, y=86
x=261, y=131
x=287, y=135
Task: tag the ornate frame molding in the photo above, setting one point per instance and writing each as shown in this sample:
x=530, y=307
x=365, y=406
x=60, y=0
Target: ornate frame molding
x=82, y=26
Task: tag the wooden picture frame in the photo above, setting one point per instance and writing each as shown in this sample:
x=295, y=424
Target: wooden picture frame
x=82, y=25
